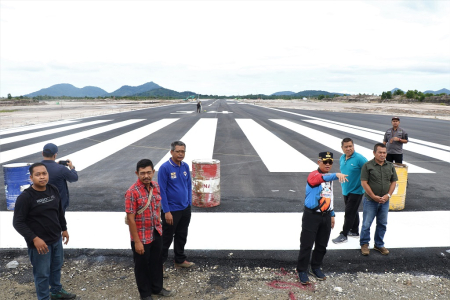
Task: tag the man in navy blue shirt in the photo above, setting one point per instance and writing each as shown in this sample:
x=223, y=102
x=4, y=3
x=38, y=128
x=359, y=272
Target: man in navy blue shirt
x=174, y=179
x=59, y=174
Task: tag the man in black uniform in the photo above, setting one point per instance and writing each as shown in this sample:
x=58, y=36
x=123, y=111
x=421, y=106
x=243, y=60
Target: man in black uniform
x=39, y=218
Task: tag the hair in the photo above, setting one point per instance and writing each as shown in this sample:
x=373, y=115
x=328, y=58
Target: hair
x=177, y=143
x=378, y=145
x=143, y=163
x=31, y=168
x=46, y=154
x=346, y=140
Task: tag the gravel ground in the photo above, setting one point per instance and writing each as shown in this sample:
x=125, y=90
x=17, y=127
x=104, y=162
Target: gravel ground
x=112, y=277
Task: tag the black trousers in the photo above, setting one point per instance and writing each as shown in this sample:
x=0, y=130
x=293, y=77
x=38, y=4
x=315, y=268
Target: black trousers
x=351, y=218
x=148, y=267
x=177, y=233
x=316, y=229
x=397, y=158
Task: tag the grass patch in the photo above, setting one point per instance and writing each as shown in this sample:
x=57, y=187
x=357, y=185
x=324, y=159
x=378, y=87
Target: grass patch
x=8, y=110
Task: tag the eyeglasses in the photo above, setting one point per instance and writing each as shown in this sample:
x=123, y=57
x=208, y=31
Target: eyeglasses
x=327, y=162
x=180, y=151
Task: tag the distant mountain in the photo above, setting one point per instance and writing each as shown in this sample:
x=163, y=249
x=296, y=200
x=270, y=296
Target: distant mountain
x=285, y=93
x=65, y=89
x=395, y=89
x=438, y=92
x=127, y=90
x=162, y=92
x=315, y=93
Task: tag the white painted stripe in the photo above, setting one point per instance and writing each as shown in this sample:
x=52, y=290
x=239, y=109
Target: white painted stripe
x=199, y=142
x=334, y=143
x=37, y=126
x=37, y=147
x=91, y=155
x=361, y=128
x=423, y=150
x=402, y=231
x=47, y=132
x=273, y=151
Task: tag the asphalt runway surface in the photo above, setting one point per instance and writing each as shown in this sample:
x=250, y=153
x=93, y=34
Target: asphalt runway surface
x=265, y=155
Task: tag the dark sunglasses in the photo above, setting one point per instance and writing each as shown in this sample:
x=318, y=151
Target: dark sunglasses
x=327, y=162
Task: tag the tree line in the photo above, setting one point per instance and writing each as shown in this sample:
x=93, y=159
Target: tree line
x=410, y=94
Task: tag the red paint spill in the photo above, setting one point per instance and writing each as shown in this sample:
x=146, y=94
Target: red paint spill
x=283, y=285
x=292, y=296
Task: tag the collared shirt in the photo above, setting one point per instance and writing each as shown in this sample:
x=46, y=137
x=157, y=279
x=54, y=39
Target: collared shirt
x=58, y=175
x=378, y=177
x=396, y=147
x=136, y=198
x=176, y=186
x=352, y=167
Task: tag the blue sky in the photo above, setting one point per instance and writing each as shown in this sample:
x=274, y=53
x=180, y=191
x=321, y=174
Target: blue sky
x=226, y=48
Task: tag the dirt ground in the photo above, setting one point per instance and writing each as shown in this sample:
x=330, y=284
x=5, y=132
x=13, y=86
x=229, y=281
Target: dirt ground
x=14, y=116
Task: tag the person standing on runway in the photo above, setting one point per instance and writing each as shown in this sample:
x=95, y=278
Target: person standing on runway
x=143, y=208
x=318, y=218
x=199, y=107
x=39, y=218
x=378, y=179
x=394, y=138
x=351, y=163
x=58, y=173
x=174, y=178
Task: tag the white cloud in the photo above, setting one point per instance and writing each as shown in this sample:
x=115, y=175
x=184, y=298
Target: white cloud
x=225, y=47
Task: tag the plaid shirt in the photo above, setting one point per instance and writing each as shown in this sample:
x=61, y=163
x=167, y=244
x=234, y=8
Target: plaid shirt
x=135, y=199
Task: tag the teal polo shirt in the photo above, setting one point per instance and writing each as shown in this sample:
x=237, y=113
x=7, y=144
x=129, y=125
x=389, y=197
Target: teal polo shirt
x=352, y=168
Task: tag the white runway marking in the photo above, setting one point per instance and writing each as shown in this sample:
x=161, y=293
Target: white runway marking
x=413, y=147
x=199, y=142
x=402, y=231
x=26, y=136
x=219, y=112
x=334, y=143
x=182, y=112
x=273, y=151
x=91, y=155
x=37, y=147
x=37, y=126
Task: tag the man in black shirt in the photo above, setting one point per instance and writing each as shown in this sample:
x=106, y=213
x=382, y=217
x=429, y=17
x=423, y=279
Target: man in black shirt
x=39, y=218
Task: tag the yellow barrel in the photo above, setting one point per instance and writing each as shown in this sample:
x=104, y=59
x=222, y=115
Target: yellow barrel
x=397, y=201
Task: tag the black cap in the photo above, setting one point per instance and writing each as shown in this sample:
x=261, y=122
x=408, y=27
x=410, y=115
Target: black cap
x=326, y=155
x=395, y=118
x=50, y=149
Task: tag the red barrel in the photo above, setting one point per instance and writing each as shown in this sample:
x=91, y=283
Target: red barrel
x=205, y=182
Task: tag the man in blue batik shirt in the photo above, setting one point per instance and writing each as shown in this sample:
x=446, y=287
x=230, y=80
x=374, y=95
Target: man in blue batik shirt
x=174, y=179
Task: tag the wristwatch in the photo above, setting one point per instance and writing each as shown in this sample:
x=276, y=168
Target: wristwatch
x=389, y=195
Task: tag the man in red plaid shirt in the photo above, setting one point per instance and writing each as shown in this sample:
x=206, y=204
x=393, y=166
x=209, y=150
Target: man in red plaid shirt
x=146, y=232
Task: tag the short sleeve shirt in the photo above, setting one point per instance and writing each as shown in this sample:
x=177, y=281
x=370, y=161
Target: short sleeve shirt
x=396, y=147
x=378, y=177
x=136, y=198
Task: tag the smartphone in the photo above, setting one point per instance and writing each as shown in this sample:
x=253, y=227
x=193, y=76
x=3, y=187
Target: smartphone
x=64, y=162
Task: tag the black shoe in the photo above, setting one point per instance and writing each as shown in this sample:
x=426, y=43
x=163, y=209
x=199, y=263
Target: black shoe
x=63, y=294
x=166, y=293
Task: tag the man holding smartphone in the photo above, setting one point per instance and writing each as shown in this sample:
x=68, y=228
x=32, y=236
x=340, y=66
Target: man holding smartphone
x=59, y=173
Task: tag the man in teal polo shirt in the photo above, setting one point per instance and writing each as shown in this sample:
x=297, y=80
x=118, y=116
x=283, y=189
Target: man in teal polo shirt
x=351, y=163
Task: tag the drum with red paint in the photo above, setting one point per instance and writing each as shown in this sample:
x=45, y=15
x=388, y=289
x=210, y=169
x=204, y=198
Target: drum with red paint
x=205, y=182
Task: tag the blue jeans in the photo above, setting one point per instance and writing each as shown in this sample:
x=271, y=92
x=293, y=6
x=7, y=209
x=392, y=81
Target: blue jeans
x=372, y=209
x=47, y=269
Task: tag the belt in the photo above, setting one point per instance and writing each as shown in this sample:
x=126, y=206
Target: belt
x=316, y=212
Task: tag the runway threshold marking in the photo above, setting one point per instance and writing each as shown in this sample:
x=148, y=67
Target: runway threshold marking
x=33, y=127
x=26, y=136
x=37, y=147
x=199, y=142
x=413, y=147
x=96, y=153
x=334, y=143
x=270, y=147
x=214, y=231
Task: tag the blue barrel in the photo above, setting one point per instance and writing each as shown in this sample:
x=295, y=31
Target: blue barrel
x=17, y=178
